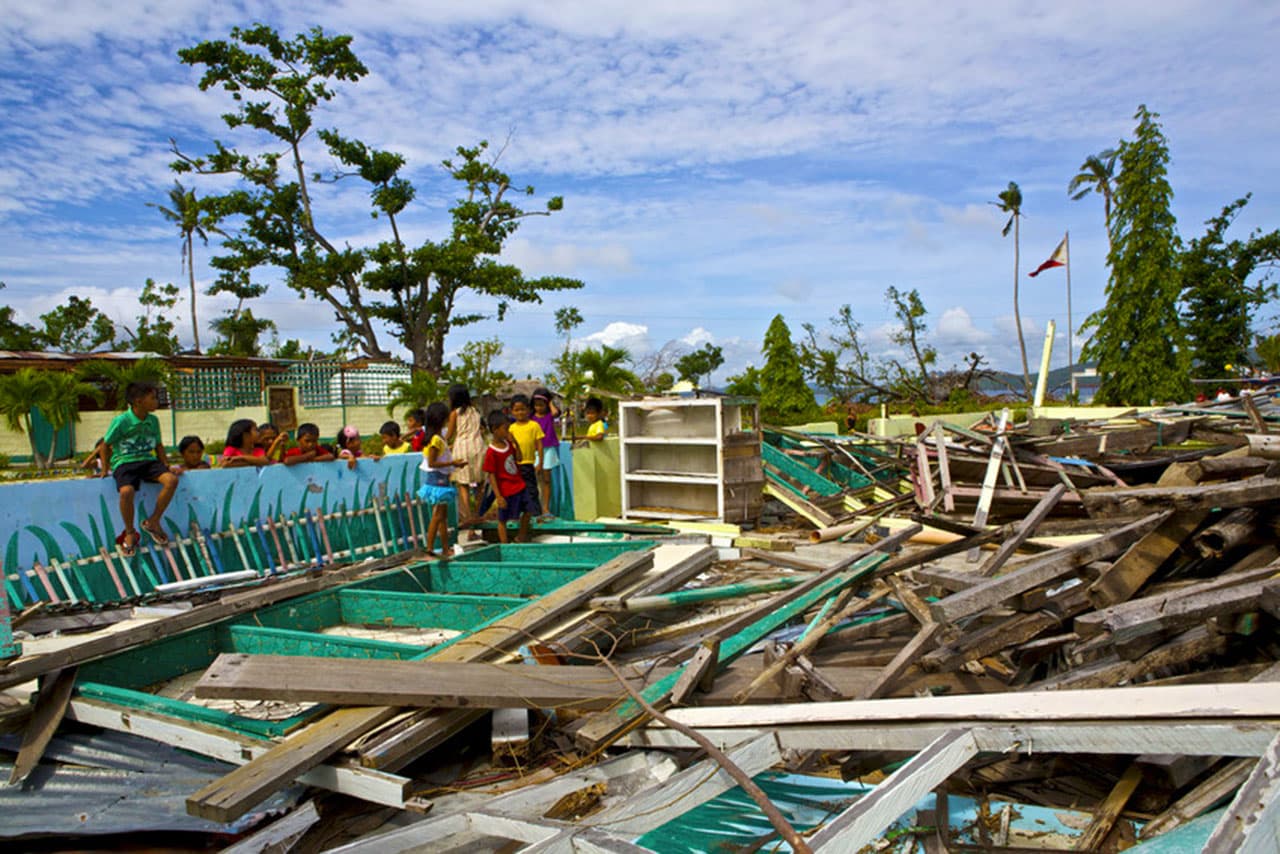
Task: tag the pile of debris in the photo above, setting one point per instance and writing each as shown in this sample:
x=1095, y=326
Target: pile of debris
x=972, y=638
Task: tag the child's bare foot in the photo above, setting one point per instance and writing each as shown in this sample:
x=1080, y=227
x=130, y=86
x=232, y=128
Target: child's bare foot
x=429, y=553
x=447, y=552
x=153, y=528
x=128, y=542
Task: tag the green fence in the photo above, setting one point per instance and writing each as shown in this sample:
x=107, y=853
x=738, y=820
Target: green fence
x=318, y=384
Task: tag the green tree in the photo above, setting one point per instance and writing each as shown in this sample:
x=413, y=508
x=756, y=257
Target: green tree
x=1220, y=294
x=194, y=219
x=745, y=384
x=700, y=363
x=240, y=333
x=909, y=309
x=1137, y=340
x=15, y=335
x=1009, y=201
x=20, y=394
x=1268, y=347
x=1097, y=175
x=111, y=378
x=277, y=86
x=602, y=368
x=415, y=393
x=153, y=332
x=76, y=327
x=785, y=398
x=60, y=403
x=475, y=369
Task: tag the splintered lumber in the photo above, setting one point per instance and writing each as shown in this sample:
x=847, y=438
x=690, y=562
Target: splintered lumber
x=51, y=706
x=1246, y=493
x=806, y=643
x=1041, y=570
x=862, y=823
x=1223, y=536
x=1011, y=631
x=1190, y=645
x=1185, y=599
x=1143, y=558
x=744, y=632
x=699, y=672
x=1252, y=821
x=1104, y=817
x=1204, y=797
x=429, y=684
x=235, y=794
x=395, y=746
x=1023, y=530
x=914, y=648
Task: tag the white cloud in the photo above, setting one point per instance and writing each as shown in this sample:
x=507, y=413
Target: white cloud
x=632, y=337
x=697, y=337
x=956, y=328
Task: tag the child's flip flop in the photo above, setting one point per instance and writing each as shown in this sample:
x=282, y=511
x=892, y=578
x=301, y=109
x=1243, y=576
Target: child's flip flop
x=160, y=538
x=128, y=543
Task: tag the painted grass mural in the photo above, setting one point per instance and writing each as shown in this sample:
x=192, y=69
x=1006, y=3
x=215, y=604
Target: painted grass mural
x=59, y=537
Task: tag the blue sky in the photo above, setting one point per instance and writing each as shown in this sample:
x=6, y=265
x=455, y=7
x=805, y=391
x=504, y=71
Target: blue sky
x=721, y=162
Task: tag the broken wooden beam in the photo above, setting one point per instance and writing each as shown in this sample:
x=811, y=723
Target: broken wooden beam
x=1041, y=570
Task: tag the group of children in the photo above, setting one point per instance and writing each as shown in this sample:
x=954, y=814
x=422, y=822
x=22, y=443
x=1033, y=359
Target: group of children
x=512, y=471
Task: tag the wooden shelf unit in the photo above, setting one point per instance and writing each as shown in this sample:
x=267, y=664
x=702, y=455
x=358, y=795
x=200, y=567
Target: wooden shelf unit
x=691, y=458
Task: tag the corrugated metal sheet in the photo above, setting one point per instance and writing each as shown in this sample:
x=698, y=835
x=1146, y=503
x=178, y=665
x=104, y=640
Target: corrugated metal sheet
x=114, y=783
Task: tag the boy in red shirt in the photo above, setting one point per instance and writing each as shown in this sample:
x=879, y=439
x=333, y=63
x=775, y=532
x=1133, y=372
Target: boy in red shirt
x=500, y=465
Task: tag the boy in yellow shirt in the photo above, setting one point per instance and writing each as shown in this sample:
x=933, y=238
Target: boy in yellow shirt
x=527, y=436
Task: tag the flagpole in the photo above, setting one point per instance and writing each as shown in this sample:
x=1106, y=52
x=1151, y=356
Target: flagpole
x=1071, y=371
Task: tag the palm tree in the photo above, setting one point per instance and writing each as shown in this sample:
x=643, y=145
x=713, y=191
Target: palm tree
x=194, y=220
x=1010, y=201
x=60, y=403
x=115, y=377
x=414, y=393
x=20, y=393
x=603, y=369
x=1097, y=175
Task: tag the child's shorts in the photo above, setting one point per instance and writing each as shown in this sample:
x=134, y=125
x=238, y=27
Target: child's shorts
x=133, y=474
x=517, y=506
x=530, y=475
x=551, y=457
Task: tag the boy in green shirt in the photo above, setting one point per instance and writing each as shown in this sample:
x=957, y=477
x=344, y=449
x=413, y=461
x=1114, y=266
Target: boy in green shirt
x=132, y=443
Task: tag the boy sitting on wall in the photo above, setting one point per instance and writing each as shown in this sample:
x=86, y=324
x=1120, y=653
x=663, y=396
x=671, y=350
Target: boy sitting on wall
x=132, y=443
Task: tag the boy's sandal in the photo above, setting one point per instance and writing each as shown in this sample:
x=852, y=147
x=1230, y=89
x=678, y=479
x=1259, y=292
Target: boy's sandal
x=128, y=543
x=158, y=536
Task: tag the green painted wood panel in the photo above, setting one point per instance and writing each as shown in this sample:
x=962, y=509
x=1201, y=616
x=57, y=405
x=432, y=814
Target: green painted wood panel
x=457, y=612
x=256, y=640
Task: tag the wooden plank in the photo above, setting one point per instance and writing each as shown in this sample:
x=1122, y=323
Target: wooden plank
x=1252, y=821
x=1128, y=736
x=862, y=823
x=428, y=684
x=231, y=797
x=1204, y=797
x=1023, y=531
x=1143, y=558
x=989, y=479
x=1042, y=570
x=50, y=707
x=1105, y=816
x=699, y=672
x=910, y=600
x=1107, y=619
x=944, y=467
x=906, y=657
x=1229, y=495
x=396, y=746
x=344, y=778
x=1250, y=700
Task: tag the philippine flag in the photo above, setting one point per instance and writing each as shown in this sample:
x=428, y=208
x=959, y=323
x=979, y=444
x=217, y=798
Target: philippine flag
x=1057, y=259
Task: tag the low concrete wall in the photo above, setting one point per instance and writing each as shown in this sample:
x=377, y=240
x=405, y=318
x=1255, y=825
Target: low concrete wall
x=209, y=424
